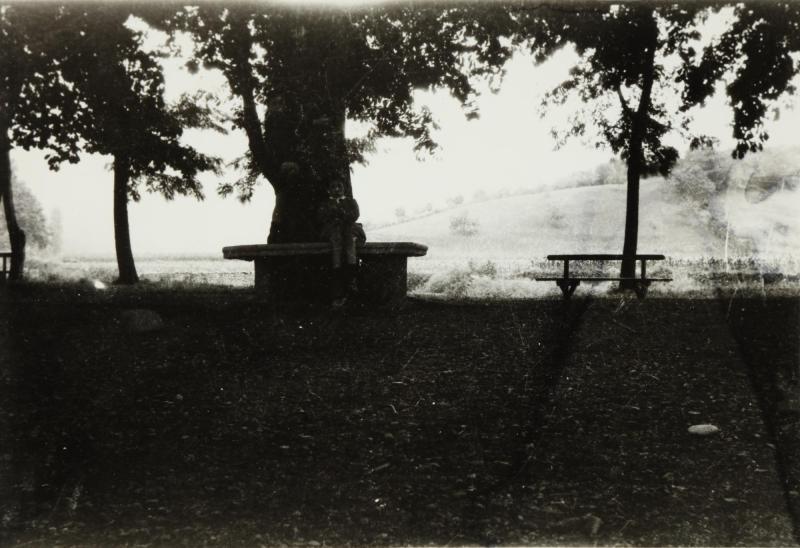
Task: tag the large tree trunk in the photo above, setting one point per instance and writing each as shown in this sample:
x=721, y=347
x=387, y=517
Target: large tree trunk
x=313, y=161
x=16, y=235
x=122, y=237
x=300, y=146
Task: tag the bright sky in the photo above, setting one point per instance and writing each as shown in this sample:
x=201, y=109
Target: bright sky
x=509, y=146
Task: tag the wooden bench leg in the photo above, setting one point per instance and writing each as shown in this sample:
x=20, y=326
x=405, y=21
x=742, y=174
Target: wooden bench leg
x=641, y=289
x=568, y=287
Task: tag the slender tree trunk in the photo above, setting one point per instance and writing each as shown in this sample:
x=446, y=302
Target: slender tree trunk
x=631, y=217
x=16, y=235
x=122, y=237
x=635, y=164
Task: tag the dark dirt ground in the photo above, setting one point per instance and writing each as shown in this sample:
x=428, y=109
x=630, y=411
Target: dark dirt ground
x=526, y=422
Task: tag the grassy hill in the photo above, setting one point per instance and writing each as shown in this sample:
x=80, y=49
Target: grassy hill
x=591, y=219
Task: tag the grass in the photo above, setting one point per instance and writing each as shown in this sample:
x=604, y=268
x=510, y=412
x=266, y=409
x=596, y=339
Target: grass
x=691, y=278
x=515, y=422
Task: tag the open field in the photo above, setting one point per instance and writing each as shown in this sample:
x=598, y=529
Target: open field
x=514, y=234
x=507, y=422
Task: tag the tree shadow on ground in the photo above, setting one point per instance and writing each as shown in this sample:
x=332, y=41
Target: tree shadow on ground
x=433, y=423
x=358, y=427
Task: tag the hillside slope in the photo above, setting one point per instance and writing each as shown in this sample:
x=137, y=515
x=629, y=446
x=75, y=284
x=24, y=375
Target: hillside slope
x=583, y=220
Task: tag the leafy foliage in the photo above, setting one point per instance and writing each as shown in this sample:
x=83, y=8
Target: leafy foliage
x=757, y=56
x=35, y=104
x=626, y=71
x=303, y=69
x=121, y=111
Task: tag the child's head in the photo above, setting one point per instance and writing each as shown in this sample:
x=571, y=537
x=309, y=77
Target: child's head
x=336, y=189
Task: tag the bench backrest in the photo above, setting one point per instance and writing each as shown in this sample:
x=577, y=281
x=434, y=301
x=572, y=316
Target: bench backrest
x=603, y=257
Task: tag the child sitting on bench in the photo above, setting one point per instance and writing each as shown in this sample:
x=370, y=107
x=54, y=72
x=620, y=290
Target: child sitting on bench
x=338, y=217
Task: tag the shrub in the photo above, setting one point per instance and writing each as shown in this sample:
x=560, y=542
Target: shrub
x=455, y=201
x=487, y=269
x=556, y=219
x=462, y=282
x=463, y=225
x=416, y=280
x=453, y=283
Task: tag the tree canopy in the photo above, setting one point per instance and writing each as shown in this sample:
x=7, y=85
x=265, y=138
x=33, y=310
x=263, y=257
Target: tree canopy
x=632, y=60
x=757, y=56
x=30, y=89
x=119, y=89
x=299, y=74
x=631, y=56
x=119, y=109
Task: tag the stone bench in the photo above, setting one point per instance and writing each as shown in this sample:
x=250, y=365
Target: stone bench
x=303, y=271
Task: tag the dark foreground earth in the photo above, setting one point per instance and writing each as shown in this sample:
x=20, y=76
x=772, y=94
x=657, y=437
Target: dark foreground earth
x=532, y=422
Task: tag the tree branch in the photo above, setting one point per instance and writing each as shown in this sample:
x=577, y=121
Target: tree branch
x=625, y=108
x=647, y=84
x=242, y=83
x=259, y=148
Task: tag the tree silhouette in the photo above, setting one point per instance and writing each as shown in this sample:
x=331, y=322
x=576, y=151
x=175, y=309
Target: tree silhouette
x=30, y=90
x=119, y=88
x=630, y=57
x=298, y=75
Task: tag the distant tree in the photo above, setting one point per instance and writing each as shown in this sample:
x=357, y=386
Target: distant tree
x=556, y=218
x=30, y=89
x=463, y=225
x=122, y=113
x=455, y=201
x=612, y=172
x=707, y=179
x=30, y=216
x=299, y=74
x=626, y=51
x=702, y=178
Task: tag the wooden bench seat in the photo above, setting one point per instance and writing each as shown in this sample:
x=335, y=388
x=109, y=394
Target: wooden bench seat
x=568, y=283
x=303, y=271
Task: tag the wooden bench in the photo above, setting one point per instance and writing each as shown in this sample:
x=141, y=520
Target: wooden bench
x=6, y=270
x=302, y=272
x=568, y=283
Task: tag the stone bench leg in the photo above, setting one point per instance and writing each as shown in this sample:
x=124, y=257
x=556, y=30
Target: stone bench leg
x=294, y=278
x=382, y=279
